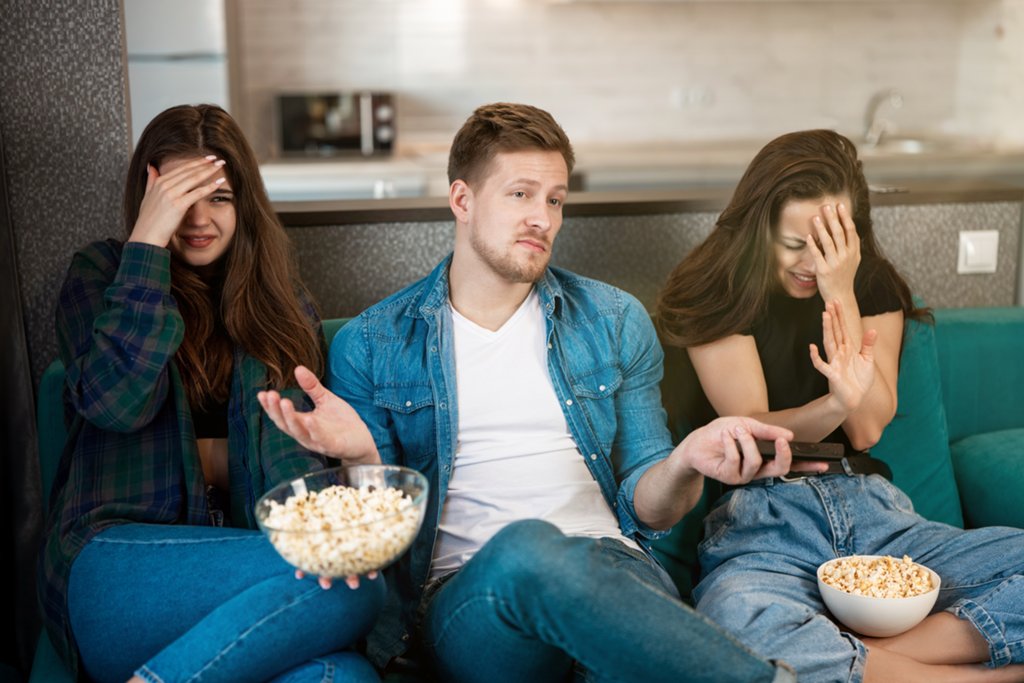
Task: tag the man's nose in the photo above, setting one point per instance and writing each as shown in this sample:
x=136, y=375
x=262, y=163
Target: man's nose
x=540, y=215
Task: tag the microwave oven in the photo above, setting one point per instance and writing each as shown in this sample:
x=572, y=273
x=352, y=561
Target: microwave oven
x=336, y=124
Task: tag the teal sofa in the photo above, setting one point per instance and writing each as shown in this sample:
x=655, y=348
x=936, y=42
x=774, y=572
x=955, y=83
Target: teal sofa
x=956, y=445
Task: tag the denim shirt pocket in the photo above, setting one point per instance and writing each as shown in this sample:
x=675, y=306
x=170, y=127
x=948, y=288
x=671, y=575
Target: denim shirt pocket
x=596, y=390
x=411, y=409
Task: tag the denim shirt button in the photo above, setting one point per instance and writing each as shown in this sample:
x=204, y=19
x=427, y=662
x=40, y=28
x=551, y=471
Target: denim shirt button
x=550, y=345
x=442, y=405
x=568, y=402
x=593, y=456
x=433, y=349
x=408, y=404
x=601, y=388
x=405, y=637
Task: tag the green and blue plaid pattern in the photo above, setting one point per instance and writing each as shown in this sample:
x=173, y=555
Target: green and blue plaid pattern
x=131, y=453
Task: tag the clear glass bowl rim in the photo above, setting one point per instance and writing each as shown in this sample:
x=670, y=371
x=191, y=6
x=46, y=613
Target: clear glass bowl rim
x=418, y=501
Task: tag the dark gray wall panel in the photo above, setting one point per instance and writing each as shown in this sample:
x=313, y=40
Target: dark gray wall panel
x=65, y=128
x=350, y=267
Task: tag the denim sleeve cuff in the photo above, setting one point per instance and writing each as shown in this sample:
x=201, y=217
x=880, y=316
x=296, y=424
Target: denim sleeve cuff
x=628, y=520
x=145, y=265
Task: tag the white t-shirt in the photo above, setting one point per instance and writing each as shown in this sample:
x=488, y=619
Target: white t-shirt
x=515, y=458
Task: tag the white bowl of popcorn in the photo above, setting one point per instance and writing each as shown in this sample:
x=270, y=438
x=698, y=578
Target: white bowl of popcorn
x=878, y=595
x=344, y=521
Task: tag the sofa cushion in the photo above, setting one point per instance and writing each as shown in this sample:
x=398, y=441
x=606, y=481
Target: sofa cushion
x=990, y=474
x=915, y=445
x=980, y=353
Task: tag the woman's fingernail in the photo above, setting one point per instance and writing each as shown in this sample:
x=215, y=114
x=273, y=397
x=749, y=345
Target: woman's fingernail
x=210, y=157
x=218, y=181
x=219, y=162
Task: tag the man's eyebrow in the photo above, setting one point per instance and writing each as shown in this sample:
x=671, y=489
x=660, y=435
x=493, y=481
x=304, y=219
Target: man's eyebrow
x=524, y=181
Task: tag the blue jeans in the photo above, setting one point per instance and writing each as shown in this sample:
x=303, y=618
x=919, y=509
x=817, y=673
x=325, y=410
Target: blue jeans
x=764, y=542
x=533, y=602
x=187, y=603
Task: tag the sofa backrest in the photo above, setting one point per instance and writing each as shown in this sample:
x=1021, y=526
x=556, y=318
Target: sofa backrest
x=981, y=359
x=915, y=445
x=331, y=327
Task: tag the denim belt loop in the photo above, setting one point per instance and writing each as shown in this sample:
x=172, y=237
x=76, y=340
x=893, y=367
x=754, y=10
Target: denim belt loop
x=847, y=468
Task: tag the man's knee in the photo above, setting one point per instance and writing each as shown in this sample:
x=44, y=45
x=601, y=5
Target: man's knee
x=528, y=550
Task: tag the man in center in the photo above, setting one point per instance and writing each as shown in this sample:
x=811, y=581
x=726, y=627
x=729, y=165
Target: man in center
x=529, y=397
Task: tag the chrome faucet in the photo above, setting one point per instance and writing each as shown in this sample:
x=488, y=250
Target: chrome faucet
x=875, y=126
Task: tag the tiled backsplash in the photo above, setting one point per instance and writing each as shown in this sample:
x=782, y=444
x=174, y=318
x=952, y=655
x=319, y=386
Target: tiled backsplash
x=351, y=267
x=630, y=70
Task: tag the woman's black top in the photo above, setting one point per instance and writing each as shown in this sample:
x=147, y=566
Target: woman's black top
x=211, y=420
x=783, y=335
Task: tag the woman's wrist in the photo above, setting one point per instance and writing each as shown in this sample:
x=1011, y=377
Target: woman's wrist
x=837, y=408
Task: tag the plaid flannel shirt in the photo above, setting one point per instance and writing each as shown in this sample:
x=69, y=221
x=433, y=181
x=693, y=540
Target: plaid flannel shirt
x=131, y=452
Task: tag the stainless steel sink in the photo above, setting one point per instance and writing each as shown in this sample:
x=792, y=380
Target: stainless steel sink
x=905, y=145
x=917, y=145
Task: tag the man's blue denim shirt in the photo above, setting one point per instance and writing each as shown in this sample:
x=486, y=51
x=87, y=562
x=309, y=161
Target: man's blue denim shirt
x=395, y=365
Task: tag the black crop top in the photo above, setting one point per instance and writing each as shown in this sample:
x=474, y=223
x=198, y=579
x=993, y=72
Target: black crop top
x=211, y=420
x=782, y=335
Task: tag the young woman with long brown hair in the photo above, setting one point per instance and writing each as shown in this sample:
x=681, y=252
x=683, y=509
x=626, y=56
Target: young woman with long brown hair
x=790, y=314
x=153, y=566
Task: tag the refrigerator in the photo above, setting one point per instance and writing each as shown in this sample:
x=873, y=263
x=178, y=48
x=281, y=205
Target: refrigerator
x=177, y=54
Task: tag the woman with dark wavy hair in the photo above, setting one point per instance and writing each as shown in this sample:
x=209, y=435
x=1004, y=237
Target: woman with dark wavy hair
x=153, y=568
x=789, y=313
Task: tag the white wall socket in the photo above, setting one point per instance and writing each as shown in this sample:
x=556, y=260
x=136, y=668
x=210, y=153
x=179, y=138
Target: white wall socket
x=979, y=251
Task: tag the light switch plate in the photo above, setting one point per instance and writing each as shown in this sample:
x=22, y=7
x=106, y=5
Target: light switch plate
x=979, y=251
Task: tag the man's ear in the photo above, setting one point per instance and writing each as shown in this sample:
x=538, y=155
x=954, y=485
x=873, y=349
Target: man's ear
x=460, y=197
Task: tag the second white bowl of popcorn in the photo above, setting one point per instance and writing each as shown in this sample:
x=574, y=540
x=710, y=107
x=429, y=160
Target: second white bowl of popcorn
x=878, y=595
x=344, y=521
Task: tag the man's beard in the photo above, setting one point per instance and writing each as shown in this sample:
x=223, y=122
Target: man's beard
x=507, y=266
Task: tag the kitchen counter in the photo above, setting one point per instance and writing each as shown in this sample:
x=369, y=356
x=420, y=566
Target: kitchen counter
x=296, y=214
x=676, y=167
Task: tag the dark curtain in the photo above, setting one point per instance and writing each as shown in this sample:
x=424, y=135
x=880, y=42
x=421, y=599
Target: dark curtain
x=21, y=507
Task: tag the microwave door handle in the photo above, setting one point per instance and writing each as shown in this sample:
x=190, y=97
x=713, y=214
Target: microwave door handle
x=366, y=124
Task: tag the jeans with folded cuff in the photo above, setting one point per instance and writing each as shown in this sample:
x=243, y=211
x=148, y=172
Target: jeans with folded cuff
x=764, y=542
x=187, y=603
x=533, y=604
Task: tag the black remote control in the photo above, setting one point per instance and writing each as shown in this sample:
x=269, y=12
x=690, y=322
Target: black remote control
x=805, y=450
